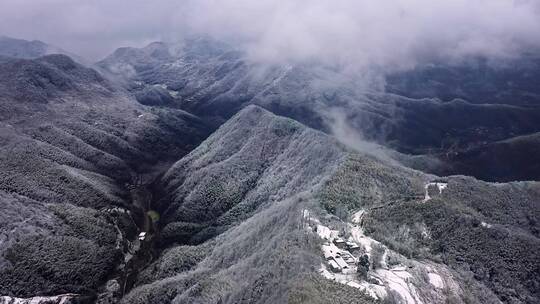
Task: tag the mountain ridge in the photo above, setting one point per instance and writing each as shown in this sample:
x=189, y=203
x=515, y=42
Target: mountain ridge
x=189, y=174
x=353, y=181
x=216, y=84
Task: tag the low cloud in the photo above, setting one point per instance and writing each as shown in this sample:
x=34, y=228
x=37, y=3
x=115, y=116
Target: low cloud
x=384, y=33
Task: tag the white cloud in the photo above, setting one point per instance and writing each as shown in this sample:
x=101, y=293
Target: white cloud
x=347, y=32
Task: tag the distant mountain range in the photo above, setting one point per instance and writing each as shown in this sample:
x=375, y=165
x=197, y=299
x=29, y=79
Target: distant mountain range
x=455, y=110
x=187, y=173
x=24, y=49
x=512, y=81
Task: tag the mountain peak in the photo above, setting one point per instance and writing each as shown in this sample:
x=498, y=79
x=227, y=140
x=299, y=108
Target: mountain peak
x=25, y=49
x=20, y=48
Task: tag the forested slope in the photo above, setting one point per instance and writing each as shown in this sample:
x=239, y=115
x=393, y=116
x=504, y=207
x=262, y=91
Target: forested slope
x=71, y=143
x=234, y=227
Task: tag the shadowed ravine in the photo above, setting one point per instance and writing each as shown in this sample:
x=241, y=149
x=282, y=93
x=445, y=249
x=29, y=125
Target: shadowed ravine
x=142, y=250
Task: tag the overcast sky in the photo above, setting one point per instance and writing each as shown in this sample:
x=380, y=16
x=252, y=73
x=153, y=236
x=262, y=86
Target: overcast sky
x=382, y=32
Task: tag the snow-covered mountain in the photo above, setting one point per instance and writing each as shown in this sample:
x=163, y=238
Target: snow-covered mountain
x=187, y=173
x=24, y=49
x=246, y=212
x=421, y=118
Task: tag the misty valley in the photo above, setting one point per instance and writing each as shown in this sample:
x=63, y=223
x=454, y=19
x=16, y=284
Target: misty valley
x=213, y=168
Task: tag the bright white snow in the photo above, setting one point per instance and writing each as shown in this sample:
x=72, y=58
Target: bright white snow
x=486, y=225
x=399, y=279
x=435, y=280
x=60, y=299
x=440, y=186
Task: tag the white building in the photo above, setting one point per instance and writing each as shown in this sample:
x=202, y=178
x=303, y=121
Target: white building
x=345, y=267
x=334, y=266
x=330, y=251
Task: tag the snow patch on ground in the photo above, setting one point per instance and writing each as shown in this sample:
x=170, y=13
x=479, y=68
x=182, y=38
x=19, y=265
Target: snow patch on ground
x=374, y=290
x=357, y=217
x=406, y=280
x=358, y=236
x=399, y=281
x=60, y=299
x=435, y=280
x=357, y=233
x=440, y=186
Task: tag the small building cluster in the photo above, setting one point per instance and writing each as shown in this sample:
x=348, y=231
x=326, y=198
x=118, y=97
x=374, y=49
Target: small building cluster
x=338, y=252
